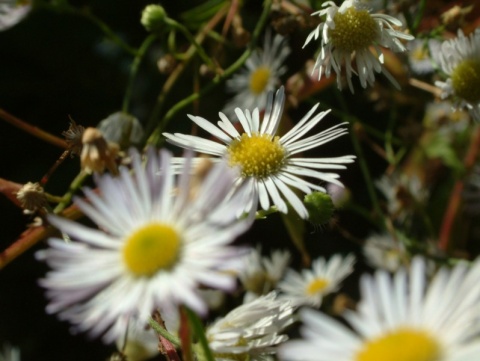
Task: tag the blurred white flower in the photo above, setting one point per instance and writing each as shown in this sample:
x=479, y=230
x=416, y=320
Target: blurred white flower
x=13, y=11
x=460, y=60
x=382, y=251
x=311, y=285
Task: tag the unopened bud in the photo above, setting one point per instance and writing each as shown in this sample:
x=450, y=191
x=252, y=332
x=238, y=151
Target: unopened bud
x=153, y=17
x=320, y=207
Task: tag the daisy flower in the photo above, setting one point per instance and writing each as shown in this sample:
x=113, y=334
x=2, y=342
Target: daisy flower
x=311, y=286
x=155, y=246
x=261, y=75
x=251, y=331
x=382, y=251
x=352, y=30
x=460, y=59
x=268, y=168
x=403, y=318
x=261, y=274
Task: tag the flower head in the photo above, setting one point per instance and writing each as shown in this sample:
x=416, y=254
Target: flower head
x=252, y=330
x=352, y=30
x=261, y=75
x=266, y=162
x=382, y=251
x=155, y=246
x=311, y=286
x=400, y=319
x=460, y=60
x=261, y=274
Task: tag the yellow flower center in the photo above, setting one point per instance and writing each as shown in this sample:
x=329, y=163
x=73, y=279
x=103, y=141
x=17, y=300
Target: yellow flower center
x=354, y=30
x=259, y=80
x=317, y=286
x=465, y=80
x=258, y=155
x=401, y=345
x=151, y=248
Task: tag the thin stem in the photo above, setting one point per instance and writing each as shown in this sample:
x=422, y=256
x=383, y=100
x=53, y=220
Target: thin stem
x=192, y=40
x=155, y=137
x=134, y=70
x=419, y=16
x=168, y=85
x=200, y=333
x=456, y=195
x=164, y=333
x=74, y=187
x=30, y=129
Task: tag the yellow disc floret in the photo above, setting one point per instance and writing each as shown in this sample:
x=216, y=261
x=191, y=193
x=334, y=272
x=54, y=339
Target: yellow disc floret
x=354, y=30
x=259, y=80
x=466, y=80
x=401, y=345
x=151, y=248
x=258, y=155
x=317, y=286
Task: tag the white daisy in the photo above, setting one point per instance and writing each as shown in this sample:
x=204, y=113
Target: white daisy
x=382, y=251
x=13, y=11
x=311, y=286
x=400, y=319
x=251, y=331
x=460, y=59
x=268, y=169
x=155, y=246
x=261, y=274
x=261, y=75
x=351, y=30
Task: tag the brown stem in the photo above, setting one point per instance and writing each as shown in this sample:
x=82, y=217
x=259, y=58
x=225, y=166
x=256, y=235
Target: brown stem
x=36, y=132
x=455, y=197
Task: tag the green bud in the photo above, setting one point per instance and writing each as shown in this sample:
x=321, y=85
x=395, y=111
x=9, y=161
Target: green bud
x=153, y=17
x=320, y=207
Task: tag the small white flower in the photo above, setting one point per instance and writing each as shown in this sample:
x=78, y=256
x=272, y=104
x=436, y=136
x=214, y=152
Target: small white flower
x=312, y=285
x=268, y=168
x=251, y=331
x=419, y=55
x=460, y=59
x=261, y=75
x=382, y=251
x=351, y=30
x=261, y=274
x=13, y=11
x=155, y=246
x=401, y=318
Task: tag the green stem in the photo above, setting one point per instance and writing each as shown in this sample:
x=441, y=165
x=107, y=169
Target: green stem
x=192, y=40
x=134, y=70
x=156, y=135
x=200, y=333
x=74, y=186
x=164, y=333
x=419, y=16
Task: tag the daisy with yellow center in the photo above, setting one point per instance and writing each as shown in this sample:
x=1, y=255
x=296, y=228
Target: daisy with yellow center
x=403, y=318
x=155, y=246
x=351, y=30
x=267, y=165
x=460, y=60
x=261, y=75
x=311, y=286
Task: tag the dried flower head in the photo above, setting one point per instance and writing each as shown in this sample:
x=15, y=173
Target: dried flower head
x=97, y=154
x=32, y=197
x=73, y=137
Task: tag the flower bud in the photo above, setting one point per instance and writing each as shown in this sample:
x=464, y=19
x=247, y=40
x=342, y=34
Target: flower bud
x=320, y=207
x=153, y=17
